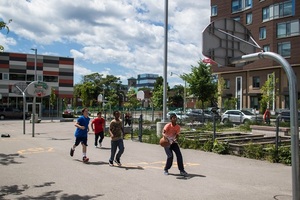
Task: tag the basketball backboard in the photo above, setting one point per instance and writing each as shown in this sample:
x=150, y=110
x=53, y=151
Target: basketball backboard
x=38, y=89
x=226, y=39
x=20, y=85
x=140, y=95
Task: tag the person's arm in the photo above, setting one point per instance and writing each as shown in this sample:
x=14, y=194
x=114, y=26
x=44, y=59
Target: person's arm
x=92, y=125
x=78, y=126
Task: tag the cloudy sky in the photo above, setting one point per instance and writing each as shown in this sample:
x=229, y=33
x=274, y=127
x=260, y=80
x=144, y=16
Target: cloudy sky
x=123, y=38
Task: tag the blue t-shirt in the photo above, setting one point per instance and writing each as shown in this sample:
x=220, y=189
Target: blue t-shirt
x=82, y=121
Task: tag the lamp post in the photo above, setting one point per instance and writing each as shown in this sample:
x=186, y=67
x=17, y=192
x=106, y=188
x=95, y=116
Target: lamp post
x=184, y=92
x=34, y=98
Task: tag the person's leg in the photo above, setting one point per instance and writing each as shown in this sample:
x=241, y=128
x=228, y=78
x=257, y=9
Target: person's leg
x=177, y=151
x=101, y=134
x=121, y=150
x=113, y=150
x=96, y=139
x=77, y=141
x=169, y=161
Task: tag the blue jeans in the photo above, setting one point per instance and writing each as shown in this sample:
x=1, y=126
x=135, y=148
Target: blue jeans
x=169, y=151
x=114, y=145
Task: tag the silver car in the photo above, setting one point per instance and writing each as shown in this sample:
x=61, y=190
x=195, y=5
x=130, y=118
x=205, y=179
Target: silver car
x=240, y=116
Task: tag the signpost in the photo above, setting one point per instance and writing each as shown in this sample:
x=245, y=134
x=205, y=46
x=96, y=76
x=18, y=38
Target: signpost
x=229, y=43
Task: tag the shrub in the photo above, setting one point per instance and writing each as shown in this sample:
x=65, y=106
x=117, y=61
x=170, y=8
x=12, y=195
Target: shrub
x=254, y=151
x=220, y=147
x=208, y=145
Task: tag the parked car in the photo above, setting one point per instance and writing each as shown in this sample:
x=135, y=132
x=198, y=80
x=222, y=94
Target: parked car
x=285, y=115
x=202, y=116
x=12, y=113
x=180, y=116
x=68, y=113
x=240, y=116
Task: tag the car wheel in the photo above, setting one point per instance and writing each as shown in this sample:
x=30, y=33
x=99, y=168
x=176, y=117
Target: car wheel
x=2, y=117
x=246, y=121
x=225, y=121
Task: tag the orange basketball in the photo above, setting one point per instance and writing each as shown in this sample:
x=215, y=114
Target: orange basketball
x=164, y=142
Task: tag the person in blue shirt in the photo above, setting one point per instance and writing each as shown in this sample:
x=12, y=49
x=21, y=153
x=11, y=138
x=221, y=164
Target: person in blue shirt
x=81, y=134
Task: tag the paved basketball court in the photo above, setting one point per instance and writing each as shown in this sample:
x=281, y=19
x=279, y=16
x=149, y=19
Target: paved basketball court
x=40, y=167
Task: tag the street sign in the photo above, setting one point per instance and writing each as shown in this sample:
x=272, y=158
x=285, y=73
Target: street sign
x=226, y=39
x=38, y=89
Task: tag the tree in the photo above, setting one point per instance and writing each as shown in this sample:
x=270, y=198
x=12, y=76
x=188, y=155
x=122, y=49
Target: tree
x=268, y=93
x=3, y=25
x=201, y=83
x=52, y=101
x=157, y=97
x=176, y=99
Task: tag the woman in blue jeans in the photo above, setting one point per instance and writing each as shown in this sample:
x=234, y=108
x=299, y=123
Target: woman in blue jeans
x=116, y=133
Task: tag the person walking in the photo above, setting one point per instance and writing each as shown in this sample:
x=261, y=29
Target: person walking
x=267, y=116
x=81, y=134
x=98, y=126
x=116, y=133
x=171, y=132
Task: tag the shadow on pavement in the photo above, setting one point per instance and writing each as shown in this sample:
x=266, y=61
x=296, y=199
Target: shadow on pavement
x=7, y=159
x=189, y=176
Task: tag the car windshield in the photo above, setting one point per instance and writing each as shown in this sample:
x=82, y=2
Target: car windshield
x=246, y=112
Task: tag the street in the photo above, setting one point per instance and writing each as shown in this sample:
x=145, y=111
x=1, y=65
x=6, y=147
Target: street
x=40, y=167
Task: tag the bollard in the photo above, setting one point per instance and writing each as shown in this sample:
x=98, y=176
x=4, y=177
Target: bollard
x=140, y=127
x=277, y=136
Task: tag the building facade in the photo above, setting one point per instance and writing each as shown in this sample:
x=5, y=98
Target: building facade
x=19, y=68
x=275, y=26
x=146, y=80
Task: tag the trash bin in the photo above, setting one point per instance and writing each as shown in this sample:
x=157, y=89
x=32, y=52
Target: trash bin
x=36, y=118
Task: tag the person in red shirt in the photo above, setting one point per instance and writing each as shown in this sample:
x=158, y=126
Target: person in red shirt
x=171, y=132
x=98, y=126
x=267, y=116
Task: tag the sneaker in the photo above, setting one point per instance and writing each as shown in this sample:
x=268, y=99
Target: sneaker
x=166, y=172
x=72, y=152
x=183, y=173
x=95, y=146
x=118, y=162
x=111, y=163
x=100, y=145
x=85, y=159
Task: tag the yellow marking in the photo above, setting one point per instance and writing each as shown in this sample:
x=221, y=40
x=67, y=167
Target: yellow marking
x=158, y=164
x=36, y=150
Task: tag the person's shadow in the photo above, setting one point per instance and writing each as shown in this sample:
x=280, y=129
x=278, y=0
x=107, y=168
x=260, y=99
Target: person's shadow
x=189, y=176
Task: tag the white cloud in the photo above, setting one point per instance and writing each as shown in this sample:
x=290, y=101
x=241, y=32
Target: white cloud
x=123, y=35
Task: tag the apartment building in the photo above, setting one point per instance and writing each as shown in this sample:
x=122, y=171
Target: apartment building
x=275, y=26
x=16, y=68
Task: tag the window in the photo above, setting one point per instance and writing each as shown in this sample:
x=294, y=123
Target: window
x=266, y=48
x=238, y=19
x=255, y=82
x=284, y=49
x=50, y=78
x=262, y=33
x=214, y=10
x=5, y=76
x=287, y=29
x=277, y=10
x=227, y=84
x=39, y=77
x=17, y=77
x=249, y=18
x=239, y=5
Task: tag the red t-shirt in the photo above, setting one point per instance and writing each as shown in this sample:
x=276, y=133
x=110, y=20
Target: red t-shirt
x=98, y=124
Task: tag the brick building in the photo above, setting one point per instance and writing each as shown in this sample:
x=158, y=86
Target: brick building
x=275, y=26
x=57, y=72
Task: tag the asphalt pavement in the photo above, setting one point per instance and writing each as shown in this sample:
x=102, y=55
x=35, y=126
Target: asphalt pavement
x=40, y=167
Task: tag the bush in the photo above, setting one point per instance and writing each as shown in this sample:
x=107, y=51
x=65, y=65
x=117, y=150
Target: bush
x=220, y=147
x=254, y=151
x=208, y=145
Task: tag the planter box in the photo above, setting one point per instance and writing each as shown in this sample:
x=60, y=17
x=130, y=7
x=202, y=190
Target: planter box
x=269, y=130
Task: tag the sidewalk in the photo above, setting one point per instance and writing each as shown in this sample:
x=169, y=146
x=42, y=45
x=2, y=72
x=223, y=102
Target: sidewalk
x=40, y=167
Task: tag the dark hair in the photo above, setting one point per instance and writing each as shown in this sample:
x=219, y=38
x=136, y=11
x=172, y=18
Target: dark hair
x=172, y=115
x=83, y=109
x=99, y=113
x=116, y=111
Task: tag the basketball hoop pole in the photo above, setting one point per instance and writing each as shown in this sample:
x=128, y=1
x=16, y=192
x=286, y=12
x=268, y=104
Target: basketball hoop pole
x=34, y=98
x=294, y=126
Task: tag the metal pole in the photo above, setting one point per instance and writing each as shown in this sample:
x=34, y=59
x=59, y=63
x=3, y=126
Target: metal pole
x=24, y=103
x=164, y=117
x=184, y=97
x=34, y=98
x=293, y=107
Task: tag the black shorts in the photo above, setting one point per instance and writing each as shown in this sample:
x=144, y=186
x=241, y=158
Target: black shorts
x=82, y=140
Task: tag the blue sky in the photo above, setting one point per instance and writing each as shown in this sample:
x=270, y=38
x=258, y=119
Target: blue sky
x=123, y=38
